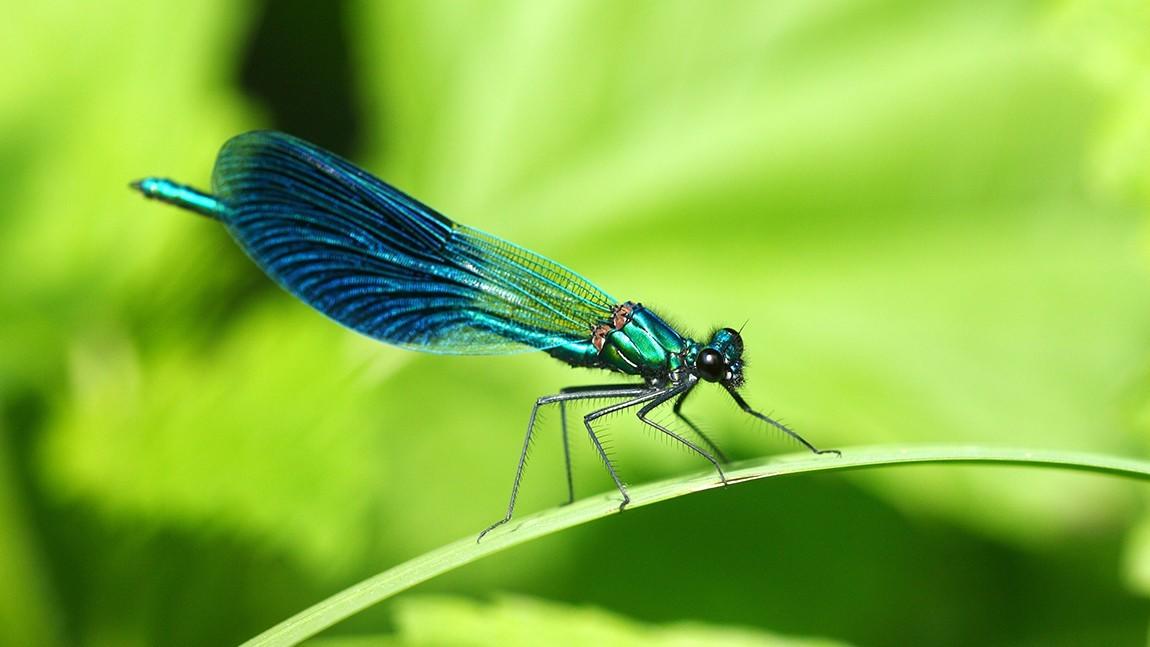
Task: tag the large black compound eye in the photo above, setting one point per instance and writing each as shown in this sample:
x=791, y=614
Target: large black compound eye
x=711, y=365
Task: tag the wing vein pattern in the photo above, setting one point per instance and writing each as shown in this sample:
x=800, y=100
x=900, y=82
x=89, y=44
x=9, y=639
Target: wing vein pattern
x=377, y=261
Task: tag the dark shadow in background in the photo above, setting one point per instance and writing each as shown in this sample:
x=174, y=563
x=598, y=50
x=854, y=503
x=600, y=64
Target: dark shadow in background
x=177, y=585
x=815, y=555
x=298, y=66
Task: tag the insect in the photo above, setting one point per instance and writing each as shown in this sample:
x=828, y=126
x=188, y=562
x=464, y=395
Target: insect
x=379, y=262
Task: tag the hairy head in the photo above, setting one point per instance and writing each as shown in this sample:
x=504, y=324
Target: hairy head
x=721, y=360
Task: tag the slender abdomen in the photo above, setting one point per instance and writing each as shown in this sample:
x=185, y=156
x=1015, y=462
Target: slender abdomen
x=182, y=196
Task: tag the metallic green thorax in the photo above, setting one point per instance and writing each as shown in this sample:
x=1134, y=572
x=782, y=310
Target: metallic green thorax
x=635, y=342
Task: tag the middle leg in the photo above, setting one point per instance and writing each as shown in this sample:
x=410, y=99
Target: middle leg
x=599, y=413
x=624, y=389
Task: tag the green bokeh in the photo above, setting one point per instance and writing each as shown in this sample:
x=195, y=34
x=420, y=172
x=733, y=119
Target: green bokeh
x=930, y=215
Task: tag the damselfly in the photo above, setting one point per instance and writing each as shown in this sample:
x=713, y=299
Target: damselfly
x=376, y=260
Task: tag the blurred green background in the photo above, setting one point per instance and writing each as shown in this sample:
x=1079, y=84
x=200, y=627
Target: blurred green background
x=932, y=216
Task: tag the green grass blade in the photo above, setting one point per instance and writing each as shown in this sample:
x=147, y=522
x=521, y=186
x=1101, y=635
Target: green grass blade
x=392, y=581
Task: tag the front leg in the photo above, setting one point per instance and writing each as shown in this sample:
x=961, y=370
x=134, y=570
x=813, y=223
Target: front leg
x=778, y=425
x=677, y=410
x=681, y=392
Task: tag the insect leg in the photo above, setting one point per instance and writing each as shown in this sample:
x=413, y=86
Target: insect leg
x=680, y=391
x=698, y=432
x=563, y=425
x=566, y=453
x=644, y=395
x=550, y=399
x=778, y=425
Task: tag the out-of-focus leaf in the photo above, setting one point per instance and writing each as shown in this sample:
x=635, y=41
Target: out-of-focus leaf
x=268, y=434
x=425, y=621
x=1107, y=38
x=1108, y=41
x=93, y=97
x=84, y=114
x=29, y=614
x=515, y=620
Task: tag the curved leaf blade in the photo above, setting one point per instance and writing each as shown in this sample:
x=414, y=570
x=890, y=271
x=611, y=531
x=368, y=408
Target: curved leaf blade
x=464, y=551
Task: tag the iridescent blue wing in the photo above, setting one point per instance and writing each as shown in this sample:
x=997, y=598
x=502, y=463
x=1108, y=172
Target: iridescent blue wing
x=377, y=261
